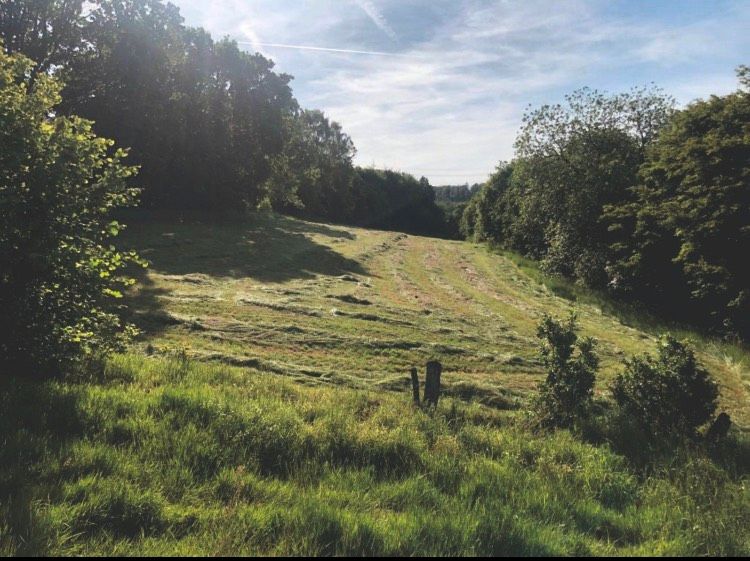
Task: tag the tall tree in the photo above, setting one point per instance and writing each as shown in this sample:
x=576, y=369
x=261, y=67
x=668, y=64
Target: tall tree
x=685, y=230
x=313, y=176
x=572, y=161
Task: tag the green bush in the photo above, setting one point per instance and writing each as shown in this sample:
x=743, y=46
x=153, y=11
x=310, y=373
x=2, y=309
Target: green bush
x=566, y=396
x=670, y=395
x=59, y=183
x=682, y=233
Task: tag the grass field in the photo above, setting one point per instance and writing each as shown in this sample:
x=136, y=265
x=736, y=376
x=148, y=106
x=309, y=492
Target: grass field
x=266, y=410
x=337, y=305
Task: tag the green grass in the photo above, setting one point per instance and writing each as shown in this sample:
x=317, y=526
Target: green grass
x=266, y=410
x=631, y=314
x=170, y=456
x=327, y=304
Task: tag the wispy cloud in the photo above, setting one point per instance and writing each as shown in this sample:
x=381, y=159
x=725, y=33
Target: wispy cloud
x=369, y=8
x=445, y=100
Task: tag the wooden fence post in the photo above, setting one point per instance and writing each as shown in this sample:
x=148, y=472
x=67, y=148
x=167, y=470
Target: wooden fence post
x=415, y=385
x=432, y=383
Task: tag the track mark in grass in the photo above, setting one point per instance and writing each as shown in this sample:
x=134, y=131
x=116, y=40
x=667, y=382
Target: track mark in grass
x=281, y=307
x=350, y=299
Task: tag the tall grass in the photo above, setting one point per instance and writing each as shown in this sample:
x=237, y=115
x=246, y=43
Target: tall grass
x=158, y=456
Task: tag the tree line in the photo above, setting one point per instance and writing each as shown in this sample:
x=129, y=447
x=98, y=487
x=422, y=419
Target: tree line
x=455, y=193
x=210, y=126
x=627, y=194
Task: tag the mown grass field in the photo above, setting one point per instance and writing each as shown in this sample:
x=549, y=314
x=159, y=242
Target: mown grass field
x=266, y=410
x=337, y=305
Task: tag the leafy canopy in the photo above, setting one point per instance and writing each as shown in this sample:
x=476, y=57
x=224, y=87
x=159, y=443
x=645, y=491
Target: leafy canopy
x=60, y=278
x=571, y=161
x=684, y=231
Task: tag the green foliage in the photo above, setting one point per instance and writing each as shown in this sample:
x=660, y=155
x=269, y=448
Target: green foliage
x=684, y=231
x=485, y=216
x=313, y=176
x=566, y=395
x=571, y=161
x=670, y=395
x=59, y=183
x=398, y=201
x=455, y=193
x=453, y=213
x=202, y=117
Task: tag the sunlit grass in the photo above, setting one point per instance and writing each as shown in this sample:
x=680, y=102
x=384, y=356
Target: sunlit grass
x=266, y=410
x=349, y=306
x=169, y=456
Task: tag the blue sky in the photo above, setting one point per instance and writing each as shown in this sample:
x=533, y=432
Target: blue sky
x=438, y=87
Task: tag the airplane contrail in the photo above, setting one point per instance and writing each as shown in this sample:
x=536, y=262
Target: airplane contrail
x=324, y=49
x=377, y=17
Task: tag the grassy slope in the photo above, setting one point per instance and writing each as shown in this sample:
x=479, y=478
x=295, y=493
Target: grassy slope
x=360, y=307
x=171, y=456
x=289, y=435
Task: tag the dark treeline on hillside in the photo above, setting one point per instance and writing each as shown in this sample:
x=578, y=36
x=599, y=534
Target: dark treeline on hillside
x=200, y=117
x=398, y=201
x=628, y=194
x=455, y=193
x=210, y=126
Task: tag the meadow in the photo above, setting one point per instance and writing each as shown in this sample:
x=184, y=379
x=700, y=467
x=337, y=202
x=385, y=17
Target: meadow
x=350, y=306
x=266, y=409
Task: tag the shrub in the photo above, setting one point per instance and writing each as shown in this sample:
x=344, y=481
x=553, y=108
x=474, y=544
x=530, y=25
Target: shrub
x=566, y=396
x=670, y=395
x=59, y=183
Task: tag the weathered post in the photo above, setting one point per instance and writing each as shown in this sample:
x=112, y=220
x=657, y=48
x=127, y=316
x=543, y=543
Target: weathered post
x=415, y=385
x=432, y=383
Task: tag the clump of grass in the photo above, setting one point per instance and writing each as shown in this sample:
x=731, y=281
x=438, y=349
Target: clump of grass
x=95, y=504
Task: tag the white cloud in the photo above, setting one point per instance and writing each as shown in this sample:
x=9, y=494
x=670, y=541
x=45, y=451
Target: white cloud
x=449, y=105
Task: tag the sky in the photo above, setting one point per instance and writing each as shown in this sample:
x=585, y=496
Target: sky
x=438, y=87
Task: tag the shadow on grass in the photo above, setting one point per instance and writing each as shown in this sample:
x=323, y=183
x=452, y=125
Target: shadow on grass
x=37, y=421
x=202, y=248
x=261, y=247
x=144, y=307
